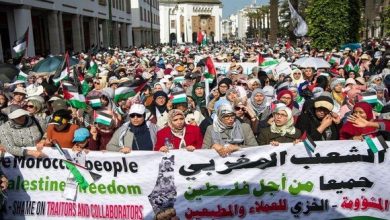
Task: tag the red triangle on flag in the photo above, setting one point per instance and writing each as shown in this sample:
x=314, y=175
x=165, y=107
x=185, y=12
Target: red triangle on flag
x=210, y=66
x=67, y=94
x=261, y=59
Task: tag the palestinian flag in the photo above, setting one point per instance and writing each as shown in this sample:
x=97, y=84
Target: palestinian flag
x=21, y=44
x=199, y=38
x=64, y=75
x=308, y=142
x=370, y=97
x=349, y=67
x=335, y=59
x=178, y=79
x=93, y=68
x=102, y=118
x=179, y=97
x=82, y=175
x=210, y=71
x=22, y=76
x=260, y=59
x=64, y=68
x=376, y=144
x=71, y=94
x=95, y=102
x=269, y=64
x=122, y=93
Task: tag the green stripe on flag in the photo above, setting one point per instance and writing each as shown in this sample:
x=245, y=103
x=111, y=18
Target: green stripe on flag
x=80, y=179
x=79, y=104
x=371, y=144
x=22, y=76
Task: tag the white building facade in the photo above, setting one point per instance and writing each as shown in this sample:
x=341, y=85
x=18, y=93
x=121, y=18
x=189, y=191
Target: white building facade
x=56, y=26
x=182, y=19
x=146, y=22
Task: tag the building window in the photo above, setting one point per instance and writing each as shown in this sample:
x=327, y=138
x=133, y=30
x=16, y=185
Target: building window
x=145, y=15
x=128, y=6
x=140, y=9
x=103, y=2
x=148, y=16
x=173, y=24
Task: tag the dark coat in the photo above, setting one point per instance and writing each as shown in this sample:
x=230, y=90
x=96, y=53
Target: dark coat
x=266, y=136
x=309, y=123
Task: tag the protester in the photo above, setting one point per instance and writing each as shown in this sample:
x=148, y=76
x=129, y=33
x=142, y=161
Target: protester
x=136, y=134
x=227, y=134
x=282, y=129
x=21, y=131
x=179, y=134
x=319, y=122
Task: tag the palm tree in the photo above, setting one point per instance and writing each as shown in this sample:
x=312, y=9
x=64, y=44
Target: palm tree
x=274, y=20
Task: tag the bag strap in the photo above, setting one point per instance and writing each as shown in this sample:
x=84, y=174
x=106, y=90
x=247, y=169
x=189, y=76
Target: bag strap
x=39, y=126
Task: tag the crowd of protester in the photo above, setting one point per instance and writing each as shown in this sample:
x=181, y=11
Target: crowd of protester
x=235, y=110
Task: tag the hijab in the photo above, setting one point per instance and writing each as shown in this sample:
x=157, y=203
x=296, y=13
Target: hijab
x=284, y=92
x=200, y=101
x=223, y=110
x=258, y=108
x=173, y=113
x=161, y=108
x=287, y=128
x=348, y=131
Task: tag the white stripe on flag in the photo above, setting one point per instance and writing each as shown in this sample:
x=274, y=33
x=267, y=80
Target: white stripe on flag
x=20, y=47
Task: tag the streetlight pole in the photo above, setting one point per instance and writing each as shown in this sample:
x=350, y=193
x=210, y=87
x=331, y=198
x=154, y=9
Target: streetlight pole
x=169, y=27
x=151, y=21
x=109, y=24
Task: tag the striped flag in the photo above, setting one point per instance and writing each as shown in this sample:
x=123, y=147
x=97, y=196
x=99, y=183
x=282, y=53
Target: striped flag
x=370, y=97
x=335, y=59
x=179, y=97
x=93, y=68
x=64, y=68
x=82, y=175
x=260, y=59
x=22, y=76
x=269, y=64
x=21, y=44
x=71, y=94
x=95, y=102
x=376, y=144
x=103, y=118
x=349, y=67
x=308, y=142
x=122, y=93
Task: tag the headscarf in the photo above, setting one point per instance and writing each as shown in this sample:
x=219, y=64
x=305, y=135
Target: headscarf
x=251, y=82
x=284, y=92
x=348, y=131
x=177, y=132
x=161, y=108
x=287, y=128
x=200, y=101
x=258, y=108
x=366, y=108
x=225, y=81
x=298, y=81
x=218, y=125
x=173, y=113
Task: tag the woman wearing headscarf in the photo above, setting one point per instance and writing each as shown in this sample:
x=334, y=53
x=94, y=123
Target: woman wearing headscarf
x=179, y=134
x=136, y=134
x=297, y=77
x=199, y=97
x=253, y=84
x=159, y=109
x=223, y=86
x=337, y=91
x=350, y=131
x=282, y=129
x=318, y=121
x=258, y=104
x=285, y=96
x=227, y=134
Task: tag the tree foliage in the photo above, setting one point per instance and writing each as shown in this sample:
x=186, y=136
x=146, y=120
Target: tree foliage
x=333, y=23
x=386, y=20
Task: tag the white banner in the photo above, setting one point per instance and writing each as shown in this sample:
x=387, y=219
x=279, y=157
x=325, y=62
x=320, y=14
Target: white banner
x=225, y=67
x=340, y=179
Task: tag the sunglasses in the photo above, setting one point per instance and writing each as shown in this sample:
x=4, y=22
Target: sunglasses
x=60, y=119
x=136, y=115
x=97, y=83
x=30, y=106
x=240, y=108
